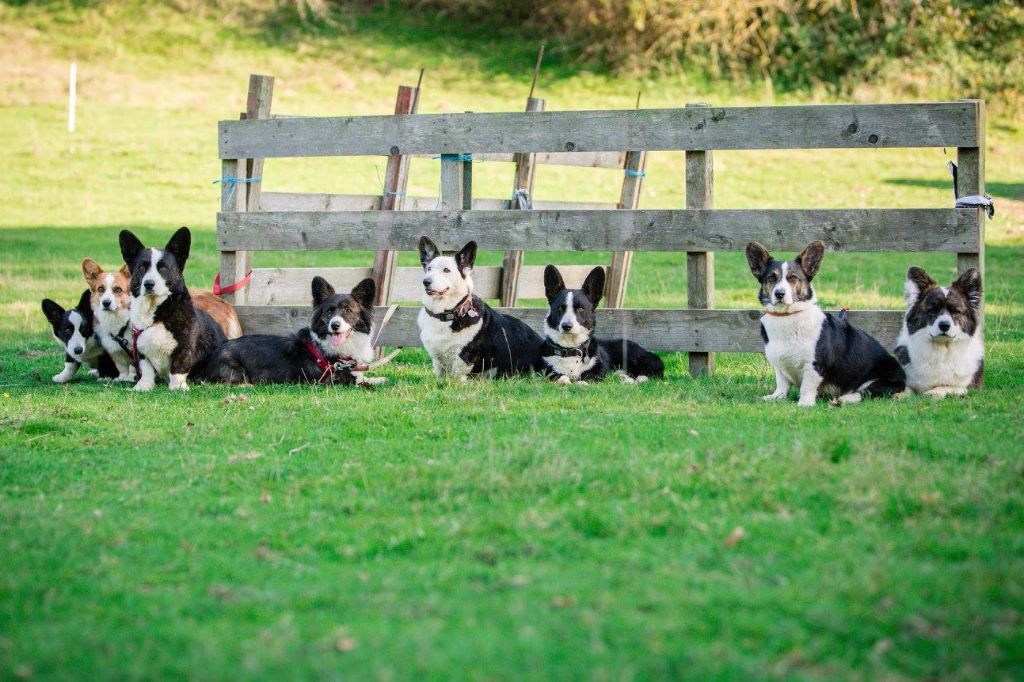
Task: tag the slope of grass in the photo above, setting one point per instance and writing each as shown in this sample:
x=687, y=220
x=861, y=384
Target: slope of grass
x=488, y=530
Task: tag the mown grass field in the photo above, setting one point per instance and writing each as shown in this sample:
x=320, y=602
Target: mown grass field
x=512, y=530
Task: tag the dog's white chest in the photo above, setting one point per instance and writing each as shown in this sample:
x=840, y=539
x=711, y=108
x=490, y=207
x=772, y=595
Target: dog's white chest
x=572, y=366
x=444, y=345
x=792, y=341
x=934, y=365
x=156, y=344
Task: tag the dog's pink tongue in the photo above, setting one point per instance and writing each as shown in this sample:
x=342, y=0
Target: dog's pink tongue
x=336, y=340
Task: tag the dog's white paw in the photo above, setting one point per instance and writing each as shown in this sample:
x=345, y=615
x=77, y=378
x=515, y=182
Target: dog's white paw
x=144, y=386
x=94, y=373
x=372, y=381
x=847, y=399
x=66, y=375
x=642, y=378
x=773, y=396
x=564, y=380
x=806, y=402
x=626, y=379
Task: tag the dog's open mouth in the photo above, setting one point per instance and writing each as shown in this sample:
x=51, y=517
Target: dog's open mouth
x=436, y=293
x=336, y=339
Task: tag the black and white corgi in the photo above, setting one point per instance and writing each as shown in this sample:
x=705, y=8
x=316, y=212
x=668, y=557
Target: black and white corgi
x=329, y=351
x=570, y=353
x=940, y=345
x=820, y=352
x=73, y=330
x=111, y=298
x=463, y=335
x=170, y=335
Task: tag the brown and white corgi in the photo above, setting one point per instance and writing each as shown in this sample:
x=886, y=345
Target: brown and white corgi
x=110, y=298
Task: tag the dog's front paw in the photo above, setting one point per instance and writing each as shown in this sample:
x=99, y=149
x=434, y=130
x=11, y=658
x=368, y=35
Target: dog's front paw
x=372, y=381
x=144, y=386
x=564, y=380
x=626, y=379
x=62, y=378
x=771, y=397
x=806, y=402
x=641, y=378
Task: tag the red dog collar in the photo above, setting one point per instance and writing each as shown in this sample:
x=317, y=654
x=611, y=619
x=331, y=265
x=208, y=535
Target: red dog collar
x=330, y=368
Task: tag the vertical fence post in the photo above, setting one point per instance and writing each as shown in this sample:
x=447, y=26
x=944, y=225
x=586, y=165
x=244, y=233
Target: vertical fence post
x=632, y=183
x=700, y=265
x=512, y=266
x=456, y=183
x=970, y=179
x=396, y=181
x=241, y=195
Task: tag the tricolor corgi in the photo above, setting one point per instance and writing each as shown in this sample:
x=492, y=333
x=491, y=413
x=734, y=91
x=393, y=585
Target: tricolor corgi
x=329, y=351
x=170, y=334
x=940, y=345
x=570, y=353
x=73, y=330
x=110, y=299
x=820, y=352
x=463, y=335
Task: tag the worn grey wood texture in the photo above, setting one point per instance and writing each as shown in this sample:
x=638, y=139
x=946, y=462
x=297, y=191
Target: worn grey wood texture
x=512, y=264
x=291, y=286
x=657, y=329
x=865, y=230
x=872, y=126
x=700, y=265
x=234, y=265
x=629, y=199
x=584, y=159
x=971, y=180
x=308, y=201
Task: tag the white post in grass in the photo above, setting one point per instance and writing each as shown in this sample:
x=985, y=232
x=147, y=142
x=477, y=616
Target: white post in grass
x=72, y=88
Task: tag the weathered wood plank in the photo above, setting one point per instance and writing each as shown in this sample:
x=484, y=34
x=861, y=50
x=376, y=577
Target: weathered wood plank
x=870, y=126
x=233, y=264
x=584, y=159
x=309, y=201
x=658, y=329
x=865, y=230
x=700, y=265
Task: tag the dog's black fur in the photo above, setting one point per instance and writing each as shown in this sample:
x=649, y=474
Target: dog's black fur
x=569, y=343
x=64, y=327
x=502, y=345
x=265, y=359
x=195, y=333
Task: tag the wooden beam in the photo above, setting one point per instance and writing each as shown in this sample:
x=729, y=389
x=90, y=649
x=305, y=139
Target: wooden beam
x=859, y=230
x=582, y=159
x=865, y=126
x=629, y=199
x=314, y=201
x=657, y=329
x=971, y=180
x=700, y=265
x=512, y=265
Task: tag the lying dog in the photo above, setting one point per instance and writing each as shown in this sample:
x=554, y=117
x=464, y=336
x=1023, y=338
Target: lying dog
x=170, y=334
x=329, y=351
x=940, y=345
x=570, y=352
x=819, y=351
x=73, y=330
x=463, y=335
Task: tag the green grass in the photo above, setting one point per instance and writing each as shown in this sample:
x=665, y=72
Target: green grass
x=490, y=530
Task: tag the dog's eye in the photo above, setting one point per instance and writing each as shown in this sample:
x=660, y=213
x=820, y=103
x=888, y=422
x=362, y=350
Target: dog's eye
x=773, y=277
x=117, y=290
x=792, y=278
x=101, y=289
x=447, y=269
x=561, y=308
x=579, y=307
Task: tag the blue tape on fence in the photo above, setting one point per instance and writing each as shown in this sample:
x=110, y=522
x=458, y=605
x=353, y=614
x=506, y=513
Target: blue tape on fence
x=468, y=158
x=635, y=173
x=232, y=181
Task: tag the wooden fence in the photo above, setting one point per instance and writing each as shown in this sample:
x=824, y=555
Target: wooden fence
x=696, y=230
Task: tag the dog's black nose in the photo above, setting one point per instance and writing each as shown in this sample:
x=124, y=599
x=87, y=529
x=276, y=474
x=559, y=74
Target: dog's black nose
x=426, y=283
x=78, y=350
x=335, y=326
x=779, y=295
x=106, y=304
x=944, y=326
x=566, y=326
x=149, y=284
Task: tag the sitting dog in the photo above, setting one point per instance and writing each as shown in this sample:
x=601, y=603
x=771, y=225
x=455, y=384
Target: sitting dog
x=170, y=335
x=110, y=299
x=463, y=335
x=73, y=330
x=329, y=351
x=570, y=353
x=940, y=345
x=819, y=351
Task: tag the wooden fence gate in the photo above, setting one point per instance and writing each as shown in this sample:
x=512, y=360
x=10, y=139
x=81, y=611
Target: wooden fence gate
x=696, y=230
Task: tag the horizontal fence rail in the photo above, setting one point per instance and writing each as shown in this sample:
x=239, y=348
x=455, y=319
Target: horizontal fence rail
x=836, y=126
x=314, y=201
x=657, y=329
x=864, y=230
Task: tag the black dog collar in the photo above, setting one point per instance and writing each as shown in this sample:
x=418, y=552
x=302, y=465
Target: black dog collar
x=563, y=352
x=463, y=308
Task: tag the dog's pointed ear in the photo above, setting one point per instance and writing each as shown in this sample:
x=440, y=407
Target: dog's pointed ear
x=322, y=290
x=364, y=292
x=553, y=282
x=918, y=282
x=810, y=258
x=126, y=271
x=428, y=251
x=758, y=259
x=54, y=313
x=85, y=303
x=91, y=269
x=179, y=246
x=969, y=286
x=466, y=257
x=131, y=247
x=593, y=285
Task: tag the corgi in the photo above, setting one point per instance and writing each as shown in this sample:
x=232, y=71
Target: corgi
x=570, y=353
x=820, y=352
x=940, y=345
x=328, y=351
x=463, y=335
x=73, y=330
x=170, y=334
x=110, y=299
x=222, y=312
